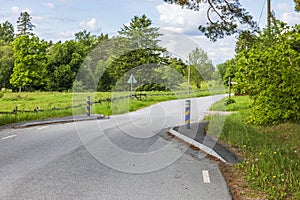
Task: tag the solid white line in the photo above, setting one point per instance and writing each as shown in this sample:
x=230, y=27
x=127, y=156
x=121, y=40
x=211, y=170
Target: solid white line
x=206, y=178
x=11, y=136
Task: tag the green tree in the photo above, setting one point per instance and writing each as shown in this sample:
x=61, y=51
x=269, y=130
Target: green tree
x=201, y=67
x=6, y=65
x=270, y=73
x=136, y=46
x=64, y=61
x=229, y=15
x=25, y=26
x=245, y=41
x=30, y=63
x=89, y=40
x=141, y=32
x=6, y=32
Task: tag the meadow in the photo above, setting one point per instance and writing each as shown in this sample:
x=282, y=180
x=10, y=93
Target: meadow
x=41, y=105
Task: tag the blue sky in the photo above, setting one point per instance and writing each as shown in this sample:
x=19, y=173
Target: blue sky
x=60, y=19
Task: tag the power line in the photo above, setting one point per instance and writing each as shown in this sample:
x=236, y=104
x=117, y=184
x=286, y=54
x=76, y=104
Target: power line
x=262, y=10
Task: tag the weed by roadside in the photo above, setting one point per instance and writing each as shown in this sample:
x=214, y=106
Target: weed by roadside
x=272, y=153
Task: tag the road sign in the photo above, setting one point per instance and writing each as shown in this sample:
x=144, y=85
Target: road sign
x=131, y=79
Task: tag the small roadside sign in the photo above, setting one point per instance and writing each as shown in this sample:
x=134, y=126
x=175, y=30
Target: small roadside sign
x=131, y=79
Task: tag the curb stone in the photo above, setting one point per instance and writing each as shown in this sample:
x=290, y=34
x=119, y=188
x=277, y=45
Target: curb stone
x=197, y=137
x=68, y=119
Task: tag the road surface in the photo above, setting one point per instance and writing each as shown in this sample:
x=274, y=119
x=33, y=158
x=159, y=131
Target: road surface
x=125, y=157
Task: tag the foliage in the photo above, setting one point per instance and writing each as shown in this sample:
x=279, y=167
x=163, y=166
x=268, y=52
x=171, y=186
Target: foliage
x=6, y=65
x=297, y=5
x=229, y=101
x=229, y=15
x=64, y=61
x=272, y=153
x=88, y=40
x=152, y=87
x=25, y=26
x=245, y=41
x=29, y=66
x=136, y=46
x=270, y=73
x=141, y=32
x=6, y=32
x=201, y=66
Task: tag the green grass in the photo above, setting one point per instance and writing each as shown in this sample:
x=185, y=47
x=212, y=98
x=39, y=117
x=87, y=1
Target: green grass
x=28, y=101
x=272, y=153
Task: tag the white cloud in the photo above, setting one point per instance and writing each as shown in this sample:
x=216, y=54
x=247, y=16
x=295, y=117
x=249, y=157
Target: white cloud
x=90, y=25
x=66, y=35
x=180, y=20
x=291, y=18
x=180, y=45
x=284, y=7
x=49, y=5
x=15, y=10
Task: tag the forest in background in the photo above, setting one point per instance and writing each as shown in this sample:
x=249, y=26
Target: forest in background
x=29, y=63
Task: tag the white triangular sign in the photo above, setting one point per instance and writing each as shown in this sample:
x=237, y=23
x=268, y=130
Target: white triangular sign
x=131, y=79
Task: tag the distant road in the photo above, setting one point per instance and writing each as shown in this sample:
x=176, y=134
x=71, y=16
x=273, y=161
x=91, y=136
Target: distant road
x=125, y=157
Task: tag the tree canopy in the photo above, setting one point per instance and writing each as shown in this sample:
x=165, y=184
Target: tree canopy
x=229, y=15
x=25, y=26
x=269, y=72
x=6, y=32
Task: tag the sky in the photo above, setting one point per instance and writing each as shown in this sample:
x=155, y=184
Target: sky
x=60, y=19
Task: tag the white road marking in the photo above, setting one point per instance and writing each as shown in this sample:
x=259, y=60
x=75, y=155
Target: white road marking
x=206, y=178
x=11, y=136
x=41, y=128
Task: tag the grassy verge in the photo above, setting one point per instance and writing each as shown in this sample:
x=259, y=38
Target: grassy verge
x=49, y=100
x=272, y=153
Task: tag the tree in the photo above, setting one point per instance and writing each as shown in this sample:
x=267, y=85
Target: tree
x=6, y=65
x=229, y=15
x=89, y=40
x=297, y=5
x=245, y=41
x=64, y=61
x=6, y=32
x=30, y=63
x=141, y=33
x=270, y=73
x=201, y=67
x=25, y=26
x=136, y=46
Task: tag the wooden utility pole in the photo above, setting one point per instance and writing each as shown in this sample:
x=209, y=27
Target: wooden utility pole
x=269, y=13
x=189, y=75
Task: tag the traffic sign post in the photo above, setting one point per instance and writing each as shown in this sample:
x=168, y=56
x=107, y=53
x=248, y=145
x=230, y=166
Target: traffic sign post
x=131, y=81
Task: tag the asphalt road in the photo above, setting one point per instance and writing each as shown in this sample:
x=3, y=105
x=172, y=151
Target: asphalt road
x=125, y=157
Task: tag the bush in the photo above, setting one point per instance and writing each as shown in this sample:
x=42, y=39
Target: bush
x=270, y=73
x=152, y=87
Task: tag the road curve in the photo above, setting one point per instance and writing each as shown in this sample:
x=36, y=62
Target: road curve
x=125, y=157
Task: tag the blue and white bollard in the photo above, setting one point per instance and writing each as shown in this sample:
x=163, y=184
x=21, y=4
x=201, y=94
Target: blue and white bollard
x=88, y=106
x=188, y=114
